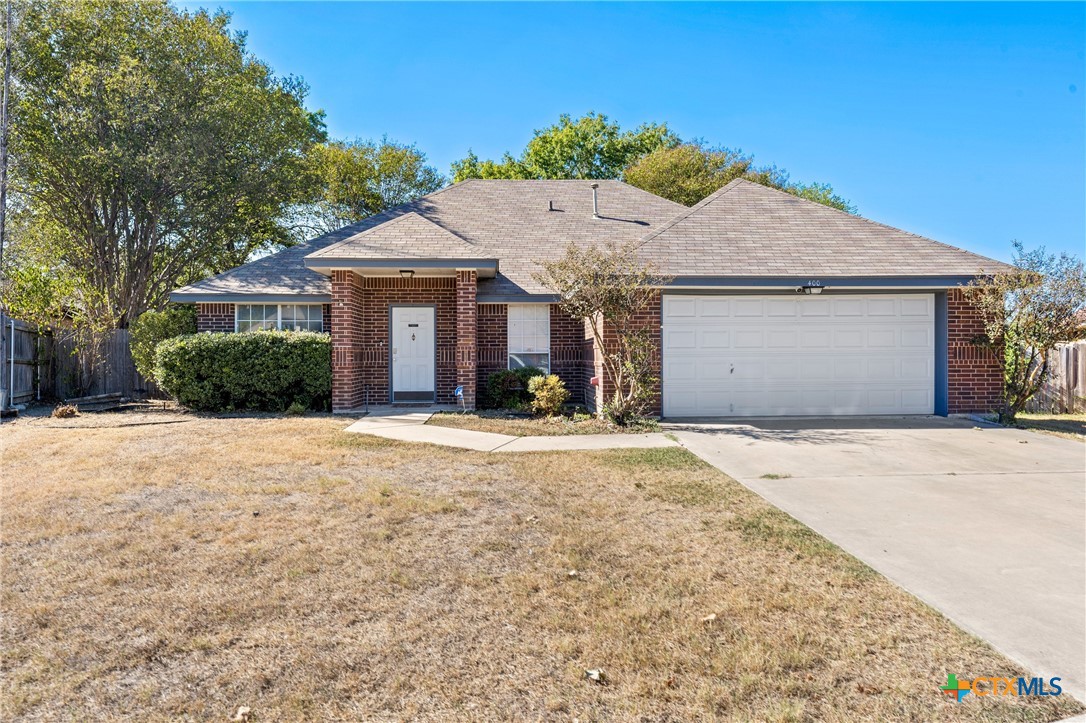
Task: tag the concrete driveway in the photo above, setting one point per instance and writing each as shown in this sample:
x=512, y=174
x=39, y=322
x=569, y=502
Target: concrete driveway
x=988, y=525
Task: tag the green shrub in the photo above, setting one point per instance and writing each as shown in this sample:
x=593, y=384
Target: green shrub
x=508, y=389
x=549, y=393
x=152, y=327
x=295, y=409
x=262, y=370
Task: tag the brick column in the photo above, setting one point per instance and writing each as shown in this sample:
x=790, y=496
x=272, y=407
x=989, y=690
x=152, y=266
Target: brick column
x=346, y=333
x=974, y=371
x=466, y=327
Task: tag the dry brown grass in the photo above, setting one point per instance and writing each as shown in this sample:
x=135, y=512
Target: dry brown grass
x=1072, y=426
x=500, y=422
x=189, y=568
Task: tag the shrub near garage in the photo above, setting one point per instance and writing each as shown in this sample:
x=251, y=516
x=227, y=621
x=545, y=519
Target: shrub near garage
x=263, y=370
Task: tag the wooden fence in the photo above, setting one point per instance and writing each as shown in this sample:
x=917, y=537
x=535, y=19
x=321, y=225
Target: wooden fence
x=1065, y=390
x=46, y=368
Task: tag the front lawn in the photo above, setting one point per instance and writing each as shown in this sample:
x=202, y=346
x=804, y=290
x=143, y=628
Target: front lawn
x=1062, y=425
x=520, y=425
x=186, y=568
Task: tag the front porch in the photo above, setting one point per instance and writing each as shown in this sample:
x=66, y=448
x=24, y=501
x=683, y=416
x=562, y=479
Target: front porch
x=366, y=369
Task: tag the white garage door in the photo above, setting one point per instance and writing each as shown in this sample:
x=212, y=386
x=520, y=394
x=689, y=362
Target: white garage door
x=735, y=356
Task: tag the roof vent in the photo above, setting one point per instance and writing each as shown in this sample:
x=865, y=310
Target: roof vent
x=595, y=200
x=550, y=205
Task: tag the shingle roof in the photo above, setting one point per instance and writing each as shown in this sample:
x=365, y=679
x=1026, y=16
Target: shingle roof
x=408, y=236
x=746, y=229
x=742, y=230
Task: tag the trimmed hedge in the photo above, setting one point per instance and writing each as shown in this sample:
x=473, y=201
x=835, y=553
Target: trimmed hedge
x=261, y=370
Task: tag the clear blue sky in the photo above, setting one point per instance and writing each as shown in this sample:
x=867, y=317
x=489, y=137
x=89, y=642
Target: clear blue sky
x=963, y=122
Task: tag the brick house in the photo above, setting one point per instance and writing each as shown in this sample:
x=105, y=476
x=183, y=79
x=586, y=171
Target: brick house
x=776, y=305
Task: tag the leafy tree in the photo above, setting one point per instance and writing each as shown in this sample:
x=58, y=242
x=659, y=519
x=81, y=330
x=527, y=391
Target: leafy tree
x=607, y=287
x=153, y=147
x=591, y=146
x=689, y=172
x=1027, y=312
x=361, y=178
x=152, y=327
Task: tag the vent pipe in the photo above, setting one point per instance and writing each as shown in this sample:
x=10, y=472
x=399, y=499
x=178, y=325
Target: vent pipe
x=595, y=200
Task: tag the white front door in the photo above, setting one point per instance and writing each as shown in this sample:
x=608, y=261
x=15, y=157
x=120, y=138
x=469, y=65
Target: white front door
x=736, y=356
x=413, y=359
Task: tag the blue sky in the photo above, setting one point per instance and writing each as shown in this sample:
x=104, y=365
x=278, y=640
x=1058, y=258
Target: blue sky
x=963, y=122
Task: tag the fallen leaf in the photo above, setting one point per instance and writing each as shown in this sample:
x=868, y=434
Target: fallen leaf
x=244, y=711
x=709, y=618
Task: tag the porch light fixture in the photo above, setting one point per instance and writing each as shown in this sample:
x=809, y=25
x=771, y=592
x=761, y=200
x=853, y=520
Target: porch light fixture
x=811, y=289
x=407, y=273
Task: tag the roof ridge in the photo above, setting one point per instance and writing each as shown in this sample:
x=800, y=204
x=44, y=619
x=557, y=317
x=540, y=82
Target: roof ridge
x=683, y=215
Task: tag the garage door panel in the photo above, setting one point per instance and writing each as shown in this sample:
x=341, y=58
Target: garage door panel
x=913, y=338
x=681, y=306
x=848, y=306
x=714, y=338
x=916, y=306
x=680, y=339
x=817, y=369
x=781, y=339
x=749, y=339
x=781, y=307
x=680, y=370
x=744, y=307
x=708, y=307
x=765, y=355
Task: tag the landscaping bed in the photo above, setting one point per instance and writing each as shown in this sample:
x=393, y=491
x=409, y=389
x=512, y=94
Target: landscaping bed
x=523, y=425
x=166, y=571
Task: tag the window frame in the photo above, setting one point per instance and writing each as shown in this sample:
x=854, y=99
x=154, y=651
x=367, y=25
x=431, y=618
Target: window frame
x=509, y=347
x=278, y=316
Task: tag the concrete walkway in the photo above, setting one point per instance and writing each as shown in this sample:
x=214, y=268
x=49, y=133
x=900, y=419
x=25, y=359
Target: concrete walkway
x=408, y=426
x=987, y=525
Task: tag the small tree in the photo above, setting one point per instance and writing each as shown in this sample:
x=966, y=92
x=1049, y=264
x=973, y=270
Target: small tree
x=608, y=287
x=1026, y=313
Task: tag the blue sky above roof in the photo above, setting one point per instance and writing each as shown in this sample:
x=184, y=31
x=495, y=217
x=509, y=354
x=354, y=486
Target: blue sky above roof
x=965, y=122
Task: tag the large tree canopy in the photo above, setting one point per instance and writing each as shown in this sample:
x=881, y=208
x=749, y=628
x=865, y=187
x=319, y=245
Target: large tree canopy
x=651, y=157
x=360, y=178
x=589, y=147
x=689, y=172
x=150, y=147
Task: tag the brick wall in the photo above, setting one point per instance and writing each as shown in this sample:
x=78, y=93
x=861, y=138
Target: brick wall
x=347, y=335
x=466, y=314
x=214, y=317
x=567, y=352
x=492, y=340
x=649, y=318
x=380, y=294
x=974, y=372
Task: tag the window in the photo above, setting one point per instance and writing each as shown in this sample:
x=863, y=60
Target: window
x=301, y=317
x=254, y=317
x=289, y=317
x=529, y=336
